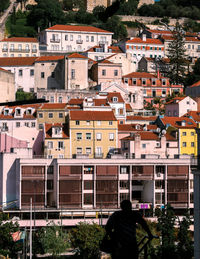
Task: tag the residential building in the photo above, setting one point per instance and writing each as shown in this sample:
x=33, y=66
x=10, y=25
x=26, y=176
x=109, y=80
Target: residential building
x=12, y=117
x=105, y=71
x=57, y=143
x=153, y=65
x=72, y=38
x=155, y=34
x=92, y=133
x=7, y=86
x=143, y=47
x=153, y=85
x=186, y=129
x=178, y=106
x=51, y=113
x=24, y=71
x=19, y=47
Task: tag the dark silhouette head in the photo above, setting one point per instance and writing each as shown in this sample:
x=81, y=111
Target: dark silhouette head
x=126, y=205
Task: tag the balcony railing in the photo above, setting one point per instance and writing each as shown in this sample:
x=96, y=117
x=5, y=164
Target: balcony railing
x=103, y=42
x=34, y=50
x=20, y=50
x=55, y=40
x=98, y=155
x=4, y=49
x=79, y=41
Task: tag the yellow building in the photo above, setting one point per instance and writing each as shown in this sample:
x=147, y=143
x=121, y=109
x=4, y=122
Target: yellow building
x=92, y=133
x=188, y=141
x=51, y=113
x=56, y=141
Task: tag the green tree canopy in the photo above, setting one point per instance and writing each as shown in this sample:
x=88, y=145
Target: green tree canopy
x=176, y=54
x=115, y=25
x=86, y=239
x=4, y=5
x=45, y=13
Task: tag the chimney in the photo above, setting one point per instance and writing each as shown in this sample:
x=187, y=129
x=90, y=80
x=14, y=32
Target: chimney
x=144, y=37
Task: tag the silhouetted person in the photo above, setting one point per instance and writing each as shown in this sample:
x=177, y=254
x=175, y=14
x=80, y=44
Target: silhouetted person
x=121, y=227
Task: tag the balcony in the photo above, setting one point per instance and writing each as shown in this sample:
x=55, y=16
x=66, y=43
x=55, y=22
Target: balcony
x=102, y=42
x=20, y=50
x=34, y=50
x=4, y=49
x=55, y=40
x=79, y=41
x=98, y=155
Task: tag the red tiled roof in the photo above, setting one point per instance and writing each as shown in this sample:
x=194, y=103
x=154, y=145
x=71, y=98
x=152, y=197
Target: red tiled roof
x=166, y=37
x=92, y=115
x=4, y=70
x=17, y=61
x=49, y=126
x=176, y=122
x=75, y=101
x=128, y=107
x=141, y=118
x=101, y=102
x=192, y=39
x=115, y=94
x=176, y=100
x=59, y=27
x=55, y=106
x=50, y=58
x=77, y=55
x=129, y=127
x=145, y=135
x=194, y=114
x=140, y=75
x=148, y=41
x=105, y=61
x=115, y=49
x=195, y=84
x=160, y=31
x=21, y=39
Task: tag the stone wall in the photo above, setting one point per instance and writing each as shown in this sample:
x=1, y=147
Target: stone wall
x=141, y=2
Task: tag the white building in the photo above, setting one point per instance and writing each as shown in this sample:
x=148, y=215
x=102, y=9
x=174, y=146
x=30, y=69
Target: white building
x=71, y=38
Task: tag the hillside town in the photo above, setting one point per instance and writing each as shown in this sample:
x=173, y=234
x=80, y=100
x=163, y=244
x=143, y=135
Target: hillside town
x=88, y=120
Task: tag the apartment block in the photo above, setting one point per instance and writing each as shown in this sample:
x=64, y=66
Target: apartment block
x=19, y=47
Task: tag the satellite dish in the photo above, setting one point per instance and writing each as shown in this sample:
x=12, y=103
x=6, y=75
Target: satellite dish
x=163, y=132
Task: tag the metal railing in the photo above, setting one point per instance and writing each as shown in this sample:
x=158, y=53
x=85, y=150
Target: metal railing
x=79, y=41
x=55, y=40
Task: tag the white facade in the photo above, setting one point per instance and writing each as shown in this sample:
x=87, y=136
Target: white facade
x=69, y=38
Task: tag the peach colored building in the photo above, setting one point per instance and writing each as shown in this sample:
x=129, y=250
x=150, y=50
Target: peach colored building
x=7, y=86
x=19, y=47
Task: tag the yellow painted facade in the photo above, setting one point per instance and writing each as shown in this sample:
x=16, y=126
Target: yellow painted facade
x=93, y=138
x=188, y=141
x=57, y=147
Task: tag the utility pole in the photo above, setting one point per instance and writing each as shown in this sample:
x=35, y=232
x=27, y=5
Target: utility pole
x=30, y=228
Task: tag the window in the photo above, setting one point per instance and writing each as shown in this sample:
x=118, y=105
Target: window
x=79, y=150
x=40, y=115
x=192, y=144
x=153, y=81
x=110, y=123
x=19, y=47
x=78, y=136
x=77, y=122
x=66, y=37
x=60, y=99
x=144, y=92
x=50, y=115
x=12, y=47
x=144, y=81
x=87, y=38
x=92, y=38
x=103, y=72
x=87, y=123
x=50, y=169
x=41, y=126
x=26, y=124
x=126, y=80
x=52, y=99
x=143, y=145
x=42, y=74
x=184, y=133
x=88, y=150
x=20, y=72
x=49, y=184
x=192, y=133
x=163, y=82
x=18, y=112
x=115, y=72
x=60, y=115
x=184, y=144
x=60, y=144
x=98, y=123
x=17, y=124
x=73, y=74
x=53, y=74
x=163, y=92
x=32, y=72
x=88, y=136
x=32, y=124
x=71, y=37
x=111, y=136
x=50, y=144
x=98, y=136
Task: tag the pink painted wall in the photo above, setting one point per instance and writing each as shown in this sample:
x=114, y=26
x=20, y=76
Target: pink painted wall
x=7, y=142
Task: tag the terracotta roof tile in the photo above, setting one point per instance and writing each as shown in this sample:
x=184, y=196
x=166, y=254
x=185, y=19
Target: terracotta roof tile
x=49, y=58
x=148, y=41
x=176, y=100
x=160, y=31
x=115, y=94
x=60, y=27
x=194, y=114
x=92, y=115
x=77, y=55
x=140, y=75
x=55, y=106
x=176, y=122
x=101, y=102
x=21, y=39
x=105, y=61
x=75, y=101
x=17, y=61
x=128, y=107
x=49, y=126
x=141, y=118
x=4, y=70
x=195, y=84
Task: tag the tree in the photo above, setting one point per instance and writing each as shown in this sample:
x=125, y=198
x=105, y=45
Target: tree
x=193, y=76
x=46, y=13
x=4, y=5
x=86, y=239
x=7, y=245
x=115, y=25
x=21, y=95
x=176, y=54
x=99, y=11
x=53, y=240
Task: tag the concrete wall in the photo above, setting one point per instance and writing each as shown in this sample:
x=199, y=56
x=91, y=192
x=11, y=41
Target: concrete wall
x=7, y=86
